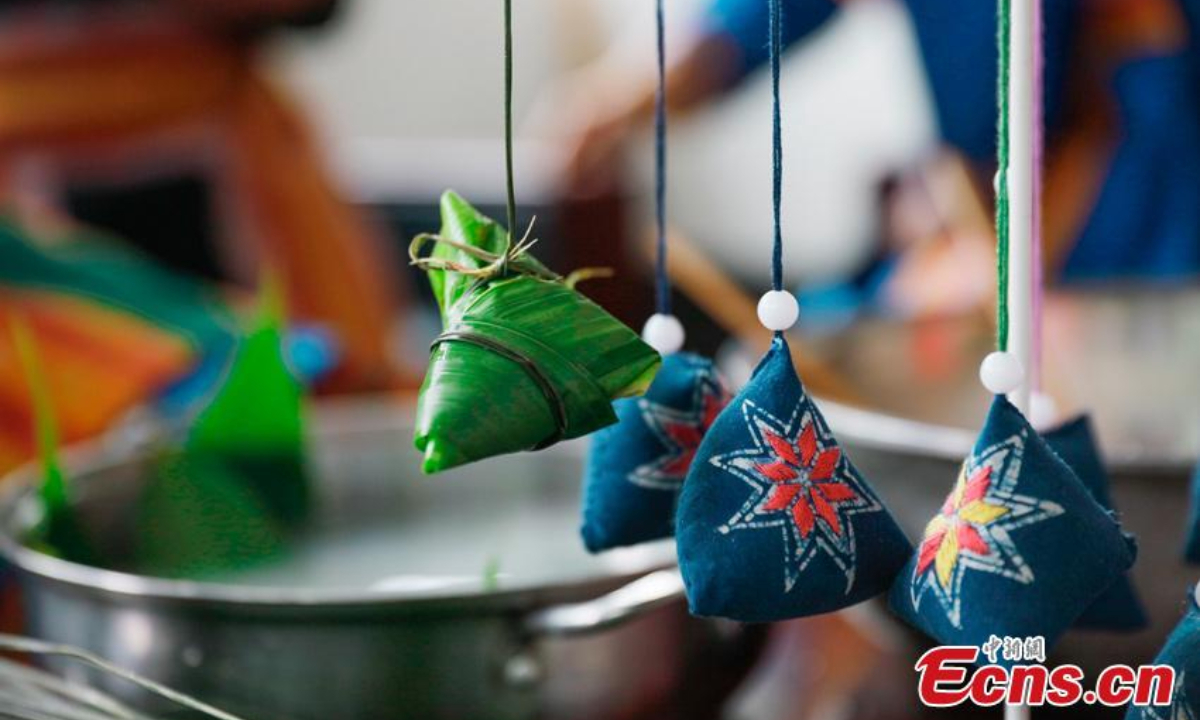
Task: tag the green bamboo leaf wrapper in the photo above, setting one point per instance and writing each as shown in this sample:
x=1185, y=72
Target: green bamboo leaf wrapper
x=255, y=422
x=511, y=344
x=239, y=488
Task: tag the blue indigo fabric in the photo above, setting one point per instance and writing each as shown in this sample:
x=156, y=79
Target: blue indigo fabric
x=636, y=468
x=774, y=521
x=1118, y=608
x=1181, y=652
x=1019, y=549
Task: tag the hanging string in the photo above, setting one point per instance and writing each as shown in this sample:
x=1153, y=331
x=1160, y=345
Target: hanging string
x=662, y=281
x=1003, y=35
x=508, y=118
x=776, y=50
x=1039, y=149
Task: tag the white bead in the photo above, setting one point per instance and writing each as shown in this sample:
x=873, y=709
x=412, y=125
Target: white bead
x=1043, y=411
x=664, y=333
x=1198, y=593
x=778, y=310
x=1001, y=373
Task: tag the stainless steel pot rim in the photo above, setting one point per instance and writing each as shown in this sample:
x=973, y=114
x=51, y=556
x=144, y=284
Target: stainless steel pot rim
x=19, y=487
x=889, y=433
x=109, y=582
x=113, y=582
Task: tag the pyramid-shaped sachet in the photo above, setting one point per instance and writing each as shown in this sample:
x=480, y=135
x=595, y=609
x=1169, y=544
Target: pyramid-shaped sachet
x=240, y=485
x=1182, y=652
x=1192, y=548
x=524, y=360
x=255, y=419
x=636, y=468
x=774, y=521
x=1118, y=608
x=1018, y=549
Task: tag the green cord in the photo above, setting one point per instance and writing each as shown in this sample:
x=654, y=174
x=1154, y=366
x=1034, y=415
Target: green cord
x=508, y=117
x=1003, y=37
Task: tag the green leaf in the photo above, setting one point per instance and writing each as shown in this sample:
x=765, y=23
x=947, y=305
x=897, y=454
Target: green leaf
x=461, y=221
x=479, y=399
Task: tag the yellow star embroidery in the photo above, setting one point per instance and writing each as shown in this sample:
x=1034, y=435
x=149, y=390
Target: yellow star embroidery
x=955, y=529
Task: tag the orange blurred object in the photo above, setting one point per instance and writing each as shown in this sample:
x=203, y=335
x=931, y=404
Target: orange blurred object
x=107, y=95
x=99, y=363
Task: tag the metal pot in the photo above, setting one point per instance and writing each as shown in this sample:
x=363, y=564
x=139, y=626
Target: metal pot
x=389, y=611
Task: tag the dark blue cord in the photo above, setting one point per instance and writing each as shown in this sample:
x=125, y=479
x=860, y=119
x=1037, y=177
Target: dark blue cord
x=777, y=142
x=662, y=281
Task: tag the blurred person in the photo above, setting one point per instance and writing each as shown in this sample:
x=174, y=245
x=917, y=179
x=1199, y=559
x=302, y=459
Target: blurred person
x=156, y=122
x=1123, y=130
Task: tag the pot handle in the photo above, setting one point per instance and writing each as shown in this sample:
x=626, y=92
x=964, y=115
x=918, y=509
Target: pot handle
x=639, y=597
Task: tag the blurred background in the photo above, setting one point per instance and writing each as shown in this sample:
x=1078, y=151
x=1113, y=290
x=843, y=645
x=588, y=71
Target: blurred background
x=393, y=139
x=159, y=160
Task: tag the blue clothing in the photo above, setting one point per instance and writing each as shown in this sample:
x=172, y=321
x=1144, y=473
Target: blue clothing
x=1147, y=218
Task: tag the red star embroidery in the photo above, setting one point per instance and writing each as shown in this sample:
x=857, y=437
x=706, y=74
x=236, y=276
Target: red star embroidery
x=686, y=436
x=804, y=483
x=806, y=489
x=680, y=431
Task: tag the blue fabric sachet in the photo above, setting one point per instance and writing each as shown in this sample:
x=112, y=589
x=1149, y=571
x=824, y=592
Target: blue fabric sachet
x=1181, y=652
x=1118, y=608
x=774, y=521
x=636, y=468
x=1019, y=549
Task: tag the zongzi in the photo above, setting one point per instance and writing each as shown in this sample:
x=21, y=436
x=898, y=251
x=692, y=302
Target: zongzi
x=524, y=360
x=239, y=487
